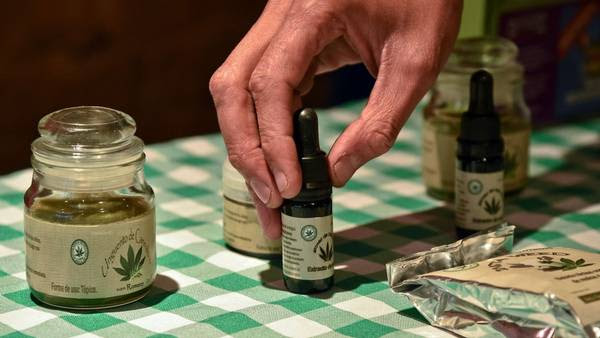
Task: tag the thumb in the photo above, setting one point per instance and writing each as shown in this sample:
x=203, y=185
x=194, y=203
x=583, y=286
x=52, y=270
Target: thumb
x=394, y=96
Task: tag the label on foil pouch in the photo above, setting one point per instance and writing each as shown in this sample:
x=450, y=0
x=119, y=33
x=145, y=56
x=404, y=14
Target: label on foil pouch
x=479, y=199
x=90, y=261
x=568, y=274
x=307, y=247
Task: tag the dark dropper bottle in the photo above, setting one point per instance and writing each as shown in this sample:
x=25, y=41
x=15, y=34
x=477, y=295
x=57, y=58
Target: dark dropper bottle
x=479, y=200
x=307, y=232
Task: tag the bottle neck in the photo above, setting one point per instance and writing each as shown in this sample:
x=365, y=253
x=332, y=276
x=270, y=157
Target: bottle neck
x=453, y=90
x=92, y=179
x=308, y=195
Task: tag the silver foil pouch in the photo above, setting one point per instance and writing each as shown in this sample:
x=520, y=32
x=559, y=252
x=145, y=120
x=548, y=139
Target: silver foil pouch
x=545, y=292
x=477, y=247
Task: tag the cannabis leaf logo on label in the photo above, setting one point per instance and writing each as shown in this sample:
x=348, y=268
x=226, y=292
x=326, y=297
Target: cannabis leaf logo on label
x=475, y=186
x=308, y=232
x=79, y=251
x=462, y=267
x=130, y=267
x=492, y=207
x=327, y=253
x=564, y=264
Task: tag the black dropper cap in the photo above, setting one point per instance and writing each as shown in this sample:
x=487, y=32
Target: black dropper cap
x=316, y=183
x=480, y=125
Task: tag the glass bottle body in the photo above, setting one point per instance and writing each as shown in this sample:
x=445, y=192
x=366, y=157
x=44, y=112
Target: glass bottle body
x=92, y=216
x=450, y=98
x=90, y=228
x=242, y=231
x=482, y=165
x=307, y=209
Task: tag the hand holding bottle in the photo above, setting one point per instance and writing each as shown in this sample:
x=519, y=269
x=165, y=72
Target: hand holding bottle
x=402, y=43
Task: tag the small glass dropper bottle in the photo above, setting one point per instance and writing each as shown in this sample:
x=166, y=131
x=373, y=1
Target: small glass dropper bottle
x=479, y=200
x=307, y=233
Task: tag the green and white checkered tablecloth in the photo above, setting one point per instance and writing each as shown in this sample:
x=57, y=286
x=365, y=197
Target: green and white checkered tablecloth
x=383, y=213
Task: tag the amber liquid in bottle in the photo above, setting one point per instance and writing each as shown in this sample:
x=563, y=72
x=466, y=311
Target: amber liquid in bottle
x=479, y=201
x=299, y=209
x=307, y=232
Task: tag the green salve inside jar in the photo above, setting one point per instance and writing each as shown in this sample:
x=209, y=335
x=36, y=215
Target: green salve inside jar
x=89, y=213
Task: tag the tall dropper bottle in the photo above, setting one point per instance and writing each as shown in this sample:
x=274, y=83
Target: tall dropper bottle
x=307, y=232
x=479, y=191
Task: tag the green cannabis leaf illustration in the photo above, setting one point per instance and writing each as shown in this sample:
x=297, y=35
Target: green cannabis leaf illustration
x=493, y=207
x=564, y=264
x=309, y=233
x=327, y=254
x=545, y=259
x=519, y=265
x=79, y=251
x=130, y=267
x=510, y=164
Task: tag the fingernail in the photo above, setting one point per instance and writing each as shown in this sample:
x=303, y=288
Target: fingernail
x=261, y=190
x=281, y=180
x=344, y=168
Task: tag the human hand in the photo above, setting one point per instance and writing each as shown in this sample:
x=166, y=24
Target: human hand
x=403, y=44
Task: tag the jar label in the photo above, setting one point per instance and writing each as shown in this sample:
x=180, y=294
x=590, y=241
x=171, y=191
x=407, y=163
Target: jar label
x=90, y=261
x=242, y=230
x=439, y=152
x=516, y=159
x=307, y=247
x=479, y=200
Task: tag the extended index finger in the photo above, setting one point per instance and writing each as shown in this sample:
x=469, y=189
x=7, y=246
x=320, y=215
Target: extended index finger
x=235, y=109
x=276, y=79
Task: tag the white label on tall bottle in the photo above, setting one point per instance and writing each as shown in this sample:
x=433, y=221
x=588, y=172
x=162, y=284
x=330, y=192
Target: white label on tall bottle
x=479, y=199
x=307, y=247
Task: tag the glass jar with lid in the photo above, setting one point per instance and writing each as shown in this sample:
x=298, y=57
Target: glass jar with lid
x=242, y=231
x=89, y=213
x=450, y=98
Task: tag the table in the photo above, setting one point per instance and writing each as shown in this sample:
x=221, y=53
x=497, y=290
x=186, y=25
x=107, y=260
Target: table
x=203, y=289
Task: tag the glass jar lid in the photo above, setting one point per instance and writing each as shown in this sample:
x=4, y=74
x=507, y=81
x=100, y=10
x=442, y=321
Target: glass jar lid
x=494, y=54
x=234, y=184
x=87, y=136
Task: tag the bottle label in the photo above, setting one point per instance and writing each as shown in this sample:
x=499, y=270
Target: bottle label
x=479, y=200
x=307, y=245
x=90, y=261
x=439, y=151
x=242, y=230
